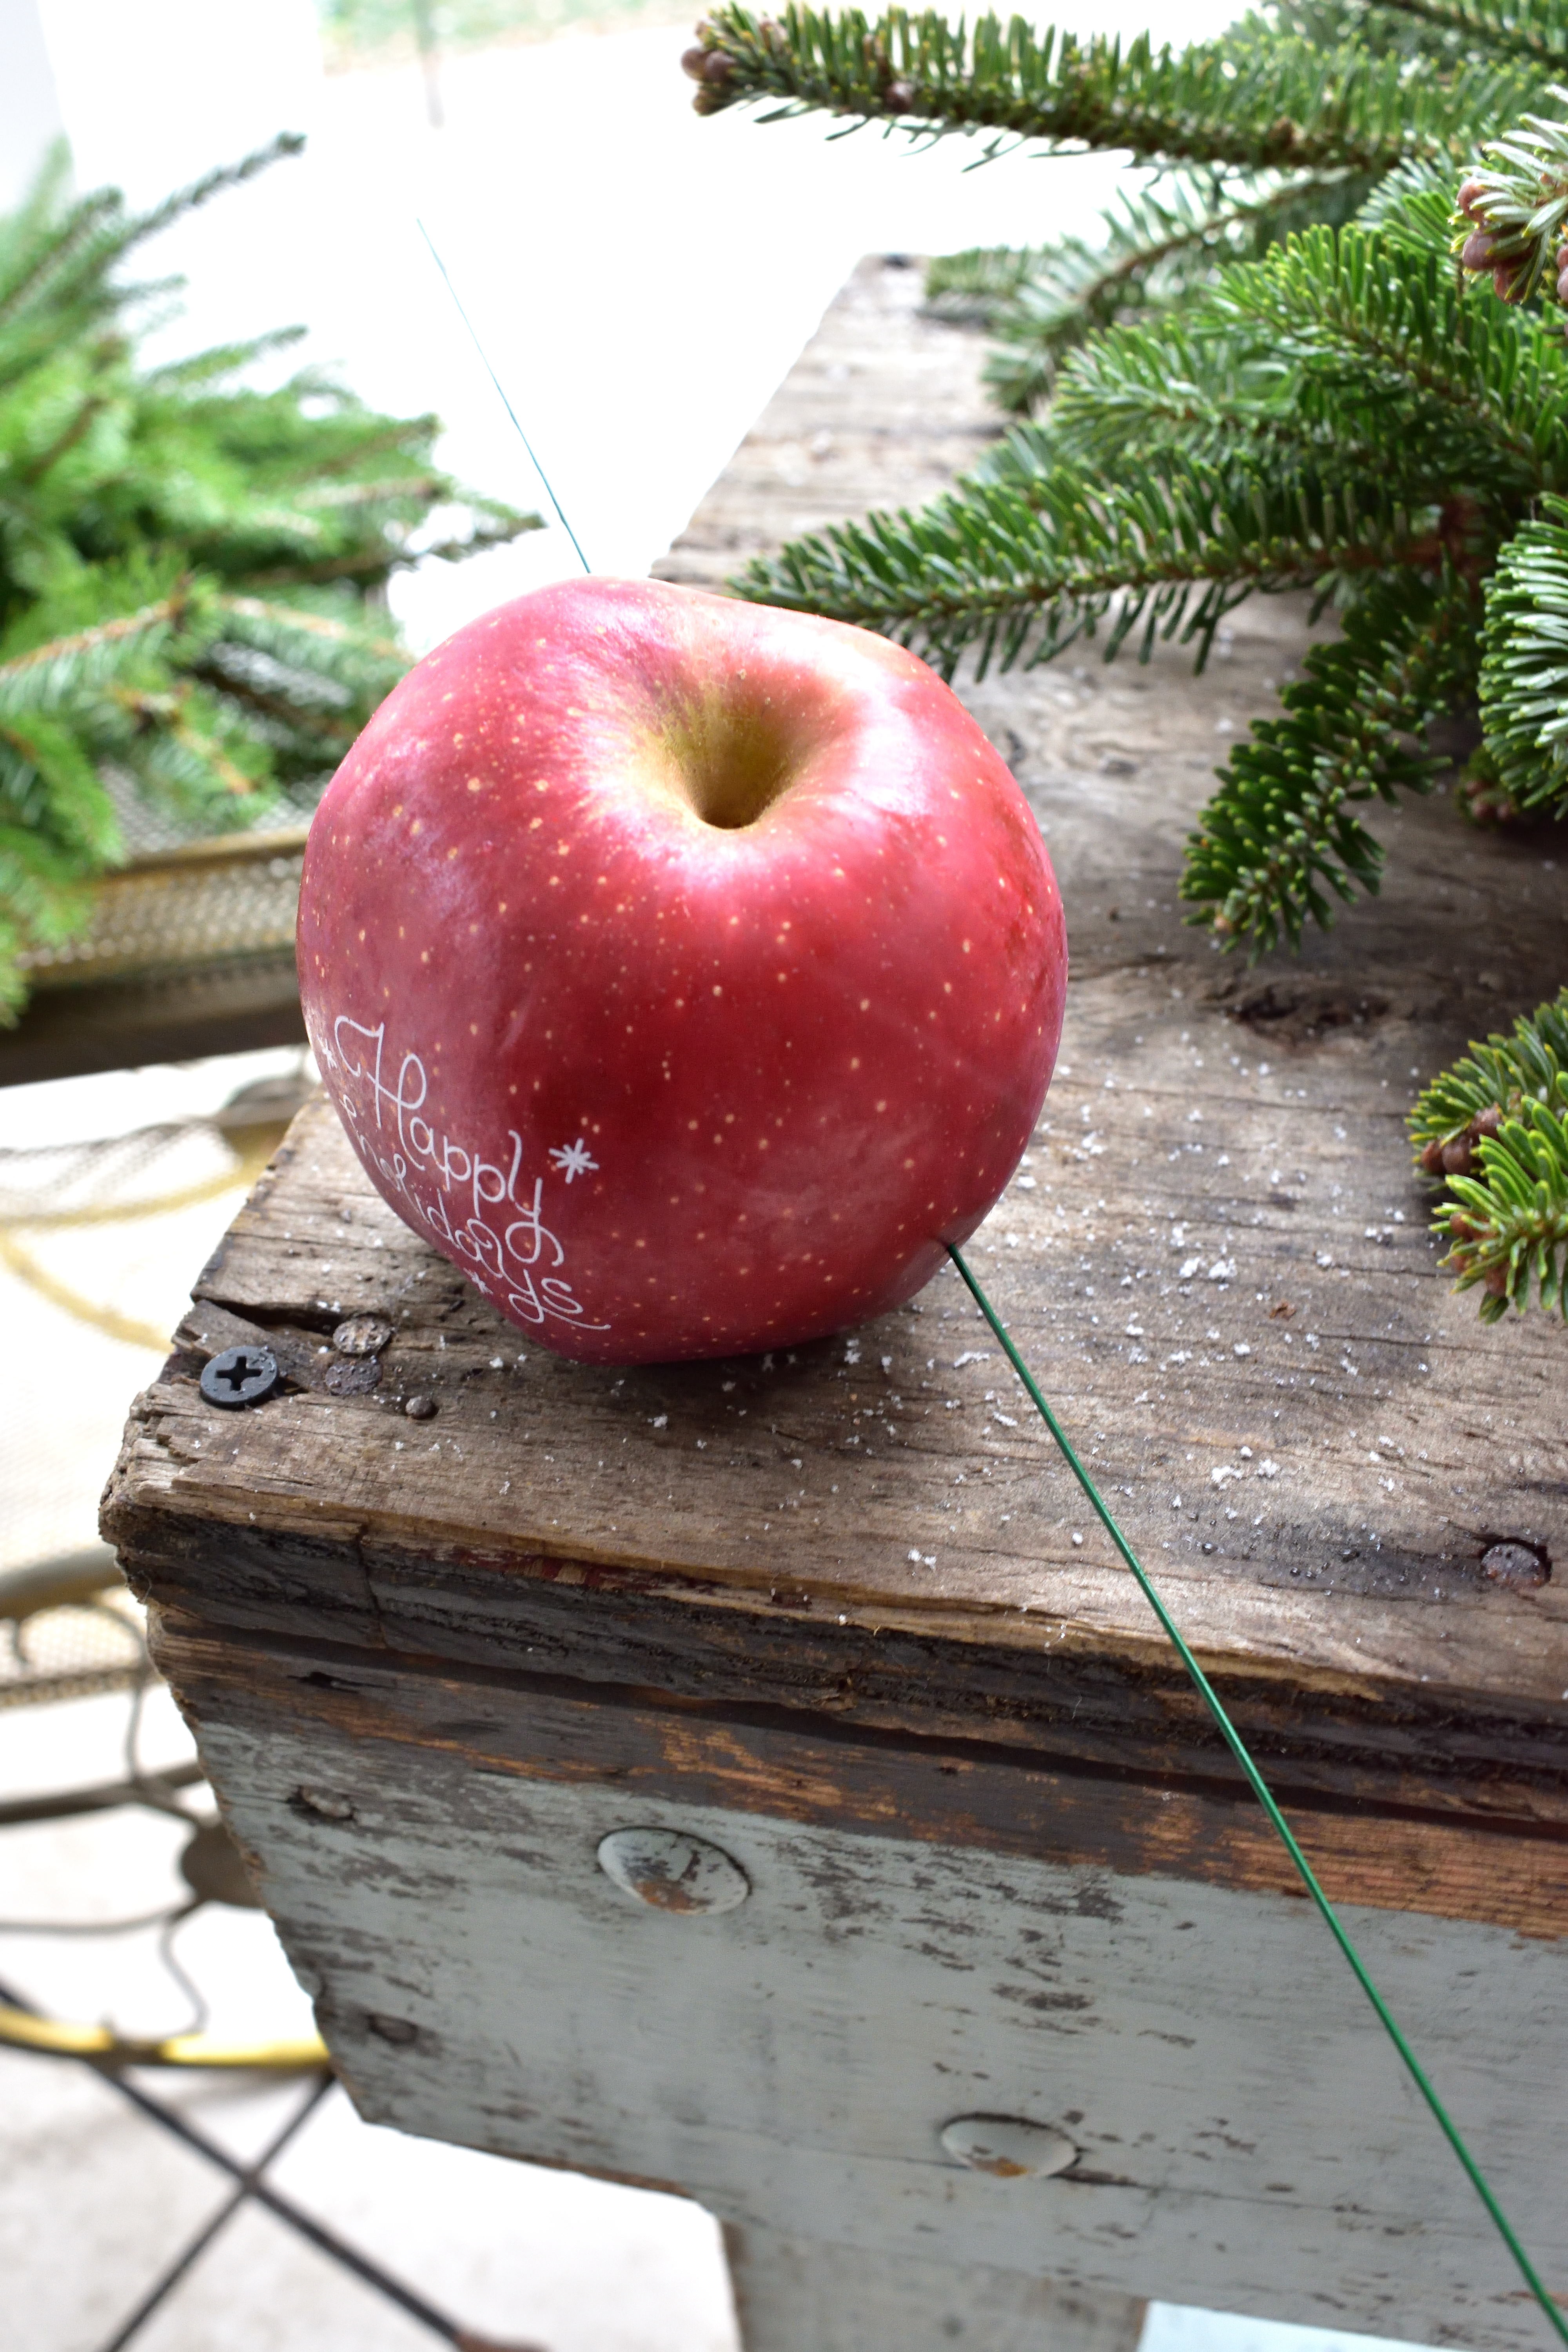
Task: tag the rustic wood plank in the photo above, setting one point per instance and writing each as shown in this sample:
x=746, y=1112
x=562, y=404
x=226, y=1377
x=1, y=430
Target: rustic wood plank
x=1005, y=1798
x=793, y=2292
x=792, y=2060
x=539, y=1480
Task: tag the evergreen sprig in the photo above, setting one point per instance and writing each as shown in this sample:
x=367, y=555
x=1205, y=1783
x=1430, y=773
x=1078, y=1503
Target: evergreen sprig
x=1536, y=30
x=1261, y=103
x=1159, y=246
x=191, y=568
x=1031, y=559
x=1495, y=1128
x=1525, y=666
x=1284, y=120
x=1280, y=835
x=1344, y=415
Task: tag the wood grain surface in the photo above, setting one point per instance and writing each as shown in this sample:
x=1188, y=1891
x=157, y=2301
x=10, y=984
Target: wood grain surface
x=1245, y=2139
x=1215, y=1257
x=791, y=2292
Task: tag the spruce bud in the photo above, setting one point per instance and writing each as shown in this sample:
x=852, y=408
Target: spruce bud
x=900, y=96
x=1476, y=253
x=692, y=62
x=717, y=68
x=1468, y=199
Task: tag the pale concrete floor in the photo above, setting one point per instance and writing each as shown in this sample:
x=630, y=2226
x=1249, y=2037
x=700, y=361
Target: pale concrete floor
x=641, y=280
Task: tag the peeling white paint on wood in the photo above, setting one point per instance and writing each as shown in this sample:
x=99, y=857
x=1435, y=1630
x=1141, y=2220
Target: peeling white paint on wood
x=797, y=2295
x=1247, y=2138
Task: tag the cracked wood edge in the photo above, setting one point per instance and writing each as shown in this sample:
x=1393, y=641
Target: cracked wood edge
x=1019, y=1806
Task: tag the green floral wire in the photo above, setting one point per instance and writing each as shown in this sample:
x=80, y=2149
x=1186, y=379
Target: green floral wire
x=1261, y=1790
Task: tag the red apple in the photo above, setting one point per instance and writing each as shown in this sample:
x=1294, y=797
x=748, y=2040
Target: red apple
x=688, y=971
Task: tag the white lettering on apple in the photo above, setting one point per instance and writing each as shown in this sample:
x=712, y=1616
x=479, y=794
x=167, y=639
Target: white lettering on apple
x=389, y=1135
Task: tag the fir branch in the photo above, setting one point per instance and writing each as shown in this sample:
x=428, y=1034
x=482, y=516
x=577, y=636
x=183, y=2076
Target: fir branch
x=65, y=262
x=221, y=360
x=1181, y=383
x=65, y=665
x=1528, y=29
x=1525, y=666
x=1264, y=105
x=43, y=900
x=140, y=513
x=216, y=183
x=82, y=822
x=1278, y=837
x=1033, y=562
x=1187, y=383
x=1392, y=330
x=1511, y=214
x=372, y=568
x=36, y=247
x=283, y=620
x=970, y=285
x=1412, y=205
x=88, y=411
x=1492, y=1081
x=293, y=725
x=1495, y=1128
x=1157, y=247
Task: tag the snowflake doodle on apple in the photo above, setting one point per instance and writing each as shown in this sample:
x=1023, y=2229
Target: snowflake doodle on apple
x=572, y=1159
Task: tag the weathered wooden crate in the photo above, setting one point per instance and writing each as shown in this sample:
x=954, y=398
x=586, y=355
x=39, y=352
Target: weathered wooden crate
x=982, y=1877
